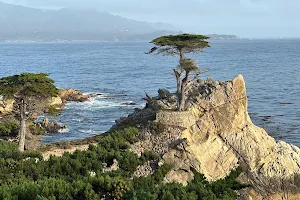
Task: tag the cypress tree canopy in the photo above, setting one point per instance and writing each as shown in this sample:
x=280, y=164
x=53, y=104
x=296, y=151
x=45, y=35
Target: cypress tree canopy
x=28, y=85
x=174, y=44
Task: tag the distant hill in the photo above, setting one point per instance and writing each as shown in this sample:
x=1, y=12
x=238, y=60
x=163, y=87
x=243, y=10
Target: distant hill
x=20, y=23
x=24, y=23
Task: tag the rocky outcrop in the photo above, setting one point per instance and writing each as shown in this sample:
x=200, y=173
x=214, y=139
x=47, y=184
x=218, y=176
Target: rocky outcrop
x=7, y=106
x=218, y=137
x=52, y=127
x=73, y=95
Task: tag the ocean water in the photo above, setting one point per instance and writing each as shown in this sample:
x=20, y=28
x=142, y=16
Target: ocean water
x=122, y=72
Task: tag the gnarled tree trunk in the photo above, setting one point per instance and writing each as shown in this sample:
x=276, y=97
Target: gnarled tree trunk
x=181, y=96
x=22, y=131
x=180, y=93
x=178, y=81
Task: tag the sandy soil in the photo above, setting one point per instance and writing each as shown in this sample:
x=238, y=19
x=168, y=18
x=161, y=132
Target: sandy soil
x=60, y=151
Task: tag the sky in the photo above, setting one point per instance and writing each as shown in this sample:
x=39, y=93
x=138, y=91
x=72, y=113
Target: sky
x=245, y=18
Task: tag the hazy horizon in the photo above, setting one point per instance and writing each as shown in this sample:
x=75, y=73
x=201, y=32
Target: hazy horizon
x=244, y=18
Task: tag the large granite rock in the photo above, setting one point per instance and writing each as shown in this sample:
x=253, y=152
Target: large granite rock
x=221, y=136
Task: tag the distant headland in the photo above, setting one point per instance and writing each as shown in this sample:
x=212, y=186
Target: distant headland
x=68, y=25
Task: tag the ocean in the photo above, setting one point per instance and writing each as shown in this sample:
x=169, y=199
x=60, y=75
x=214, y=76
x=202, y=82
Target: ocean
x=122, y=72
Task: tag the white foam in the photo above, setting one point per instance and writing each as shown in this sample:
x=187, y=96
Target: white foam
x=98, y=103
x=64, y=130
x=92, y=104
x=89, y=131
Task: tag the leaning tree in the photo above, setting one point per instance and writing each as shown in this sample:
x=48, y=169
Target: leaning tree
x=27, y=89
x=179, y=45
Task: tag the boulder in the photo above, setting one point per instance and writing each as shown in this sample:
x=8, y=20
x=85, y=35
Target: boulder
x=56, y=102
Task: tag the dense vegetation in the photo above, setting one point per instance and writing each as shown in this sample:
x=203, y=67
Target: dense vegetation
x=24, y=175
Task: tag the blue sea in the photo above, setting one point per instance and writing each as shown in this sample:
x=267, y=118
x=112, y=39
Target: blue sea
x=123, y=73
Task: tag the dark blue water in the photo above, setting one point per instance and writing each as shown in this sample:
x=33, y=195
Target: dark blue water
x=123, y=72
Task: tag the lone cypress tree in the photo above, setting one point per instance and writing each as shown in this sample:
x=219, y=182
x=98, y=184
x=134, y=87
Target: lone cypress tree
x=25, y=89
x=179, y=45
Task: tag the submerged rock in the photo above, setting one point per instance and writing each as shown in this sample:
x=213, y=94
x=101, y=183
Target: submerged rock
x=128, y=103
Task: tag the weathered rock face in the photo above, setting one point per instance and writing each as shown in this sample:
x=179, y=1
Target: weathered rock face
x=6, y=106
x=221, y=136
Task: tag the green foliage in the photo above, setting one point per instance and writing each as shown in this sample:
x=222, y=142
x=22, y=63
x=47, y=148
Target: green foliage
x=26, y=176
x=188, y=64
x=27, y=85
x=9, y=150
x=9, y=129
x=174, y=44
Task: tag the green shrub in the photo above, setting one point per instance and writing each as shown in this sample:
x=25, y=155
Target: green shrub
x=9, y=150
x=32, y=154
x=9, y=129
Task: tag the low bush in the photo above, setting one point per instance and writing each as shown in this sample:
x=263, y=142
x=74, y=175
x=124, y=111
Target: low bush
x=9, y=129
